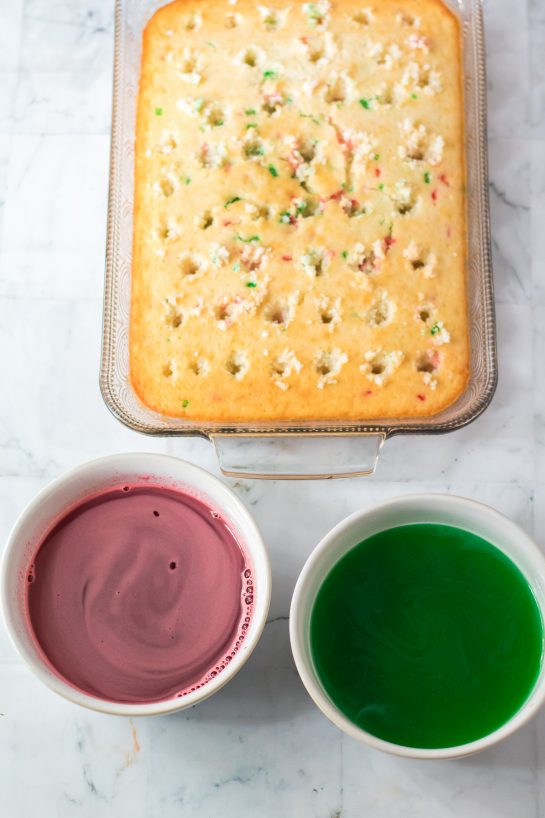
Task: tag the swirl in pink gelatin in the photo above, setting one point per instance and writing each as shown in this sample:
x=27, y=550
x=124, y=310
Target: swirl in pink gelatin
x=139, y=595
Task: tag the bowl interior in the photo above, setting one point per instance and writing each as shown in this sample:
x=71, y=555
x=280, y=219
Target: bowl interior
x=55, y=500
x=444, y=509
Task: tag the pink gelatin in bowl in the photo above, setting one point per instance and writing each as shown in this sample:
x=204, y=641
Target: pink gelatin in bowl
x=136, y=584
x=139, y=594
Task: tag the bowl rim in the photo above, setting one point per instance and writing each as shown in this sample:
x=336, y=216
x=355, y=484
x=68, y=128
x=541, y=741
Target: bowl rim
x=194, y=477
x=308, y=675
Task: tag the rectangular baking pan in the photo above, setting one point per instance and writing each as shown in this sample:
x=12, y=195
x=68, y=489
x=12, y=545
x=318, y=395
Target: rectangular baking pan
x=310, y=448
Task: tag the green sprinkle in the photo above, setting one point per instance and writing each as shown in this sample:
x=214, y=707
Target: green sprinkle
x=376, y=157
x=365, y=103
x=270, y=75
x=232, y=201
x=344, y=254
x=272, y=170
x=254, y=150
x=249, y=239
x=211, y=44
x=158, y=112
x=187, y=180
x=185, y=403
x=251, y=125
x=381, y=186
x=218, y=123
x=236, y=266
x=251, y=284
x=414, y=96
x=250, y=112
x=285, y=217
x=436, y=329
x=427, y=177
x=301, y=208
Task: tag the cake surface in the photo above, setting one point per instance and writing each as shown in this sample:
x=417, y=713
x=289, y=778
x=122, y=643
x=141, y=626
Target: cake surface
x=299, y=224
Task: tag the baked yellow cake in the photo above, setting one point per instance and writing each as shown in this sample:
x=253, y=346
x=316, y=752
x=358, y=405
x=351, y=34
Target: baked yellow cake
x=299, y=224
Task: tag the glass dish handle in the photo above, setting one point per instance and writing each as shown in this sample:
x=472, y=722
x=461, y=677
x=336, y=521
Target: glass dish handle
x=297, y=457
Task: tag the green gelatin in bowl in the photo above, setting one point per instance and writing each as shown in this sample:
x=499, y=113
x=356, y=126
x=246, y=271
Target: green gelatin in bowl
x=426, y=636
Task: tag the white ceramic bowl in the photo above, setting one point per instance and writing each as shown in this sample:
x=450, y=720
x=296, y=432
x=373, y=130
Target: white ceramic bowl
x=68, y=490
x=423, y=508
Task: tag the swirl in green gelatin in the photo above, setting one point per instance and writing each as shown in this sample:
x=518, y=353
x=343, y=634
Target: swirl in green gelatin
x=426, y=636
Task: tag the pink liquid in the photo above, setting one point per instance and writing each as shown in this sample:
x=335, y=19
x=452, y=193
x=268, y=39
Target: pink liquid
x=139, y=595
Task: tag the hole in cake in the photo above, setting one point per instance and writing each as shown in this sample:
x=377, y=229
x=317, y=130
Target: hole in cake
x=253, y=148
x=199, y=366
x=407, y=20
x=206, y=220
x=250, y=57
x=169, y=230
x=273, y=103
x=232, y=20
x=314, y=263
x=188, y=63
x=323, y=367
x=363, y=17
x=416, y=154
x=380, y=365
x=417, y=264
x=222, y=312
x=427, y=362
x=307, y=149
x=385, y=95
x=173, y=316
x=404, y=208
x=328, y=365
x=168, y=370
x=261, y=212
x=167, y=143
x=214, y=115
x=276, y=314
x=327, y=316
x=193, y=22
x=279, y=313
x=189, y=266
x=270, y=18
x=336, y=91
x=167, y=188
x=424, y=314
x=380, y=313
x=311, y=208
x=237, y=365
x=316, y=51
x=278, y=368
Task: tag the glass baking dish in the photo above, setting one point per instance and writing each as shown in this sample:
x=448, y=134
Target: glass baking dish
x=284, y=449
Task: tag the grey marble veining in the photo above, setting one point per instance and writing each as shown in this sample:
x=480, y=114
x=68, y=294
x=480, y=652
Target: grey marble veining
x=259, y=747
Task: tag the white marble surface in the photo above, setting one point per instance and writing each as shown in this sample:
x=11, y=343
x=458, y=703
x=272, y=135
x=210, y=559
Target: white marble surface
x=260, y=747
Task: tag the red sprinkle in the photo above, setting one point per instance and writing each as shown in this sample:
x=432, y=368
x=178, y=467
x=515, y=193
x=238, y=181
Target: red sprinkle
x=227, y=222
x=389, y=241
x=337, y=195
x=378, y=172
x=443, y=178
x=434, y=195
x=421, y=397
x=367, y=393
x=287, y=258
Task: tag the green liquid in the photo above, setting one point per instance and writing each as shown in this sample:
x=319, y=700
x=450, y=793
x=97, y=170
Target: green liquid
x=426, y=636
